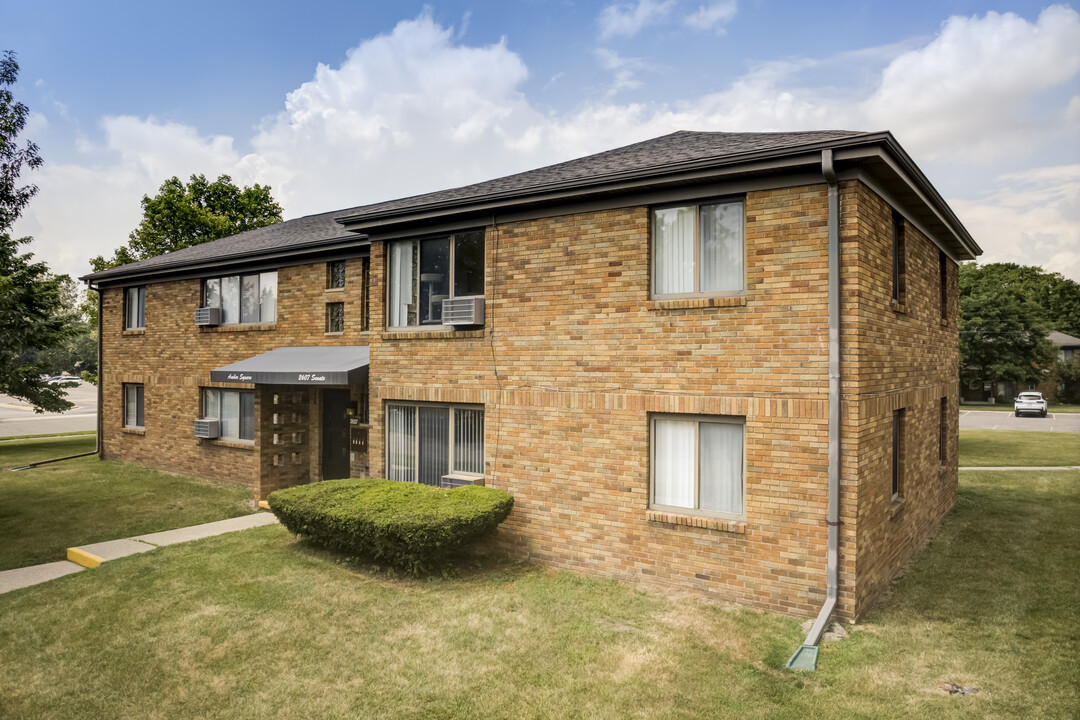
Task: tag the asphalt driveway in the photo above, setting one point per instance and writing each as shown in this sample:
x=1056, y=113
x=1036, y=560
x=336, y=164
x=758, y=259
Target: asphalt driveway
x=991, y=420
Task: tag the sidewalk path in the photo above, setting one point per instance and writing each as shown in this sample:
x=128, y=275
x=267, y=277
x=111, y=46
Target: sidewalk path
x=80, y=558
x=1021, y=467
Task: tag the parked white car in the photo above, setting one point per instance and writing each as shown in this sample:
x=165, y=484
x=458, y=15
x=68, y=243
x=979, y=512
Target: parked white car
x=1030, y=402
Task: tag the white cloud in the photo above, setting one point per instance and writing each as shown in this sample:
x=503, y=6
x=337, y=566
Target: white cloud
x=628, y=19
x=417, y=110
x=712, y=16
x=969, y=95
x=1031, y=218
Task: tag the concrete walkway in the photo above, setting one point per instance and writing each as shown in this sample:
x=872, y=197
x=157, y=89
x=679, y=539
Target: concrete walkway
x=1022, y=467
x=89, y=556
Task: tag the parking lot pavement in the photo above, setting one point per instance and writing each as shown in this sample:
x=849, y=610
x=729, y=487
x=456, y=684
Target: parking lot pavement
x=17, y=417
x=992, y=420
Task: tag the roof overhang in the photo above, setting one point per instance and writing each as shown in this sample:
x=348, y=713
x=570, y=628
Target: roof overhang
x=335, y=365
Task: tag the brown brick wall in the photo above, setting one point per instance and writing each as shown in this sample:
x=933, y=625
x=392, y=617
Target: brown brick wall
x=574, y=359
x=173, y=359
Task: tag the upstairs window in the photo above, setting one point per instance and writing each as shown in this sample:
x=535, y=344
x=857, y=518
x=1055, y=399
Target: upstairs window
x=943, y=275
x=135, y=308
x=234, y=408
x=698, y=250
x=423, y=273
x=243, y=298
x=898, y=259
x=335, y=275
x=133, y=405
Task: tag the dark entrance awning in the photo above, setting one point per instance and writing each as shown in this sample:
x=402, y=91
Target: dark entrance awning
x=335, y=365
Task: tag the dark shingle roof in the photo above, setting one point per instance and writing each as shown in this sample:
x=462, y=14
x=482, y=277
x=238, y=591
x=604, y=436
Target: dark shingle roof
x=314, y=230
x=1062, y=340
x=667, y=150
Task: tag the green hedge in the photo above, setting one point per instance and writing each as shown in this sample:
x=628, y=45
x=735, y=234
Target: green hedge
x=406, y=525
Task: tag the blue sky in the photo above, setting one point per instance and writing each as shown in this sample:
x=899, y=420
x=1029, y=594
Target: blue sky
x=341, y=104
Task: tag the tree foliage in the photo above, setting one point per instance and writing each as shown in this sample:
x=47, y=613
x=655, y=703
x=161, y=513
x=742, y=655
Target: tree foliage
x=33, y=314
x=182, y=215
x=1006, y=313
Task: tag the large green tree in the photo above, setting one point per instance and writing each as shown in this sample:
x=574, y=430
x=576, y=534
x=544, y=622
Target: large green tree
x=1006, y=313
x=182, y=215
x=33, y=316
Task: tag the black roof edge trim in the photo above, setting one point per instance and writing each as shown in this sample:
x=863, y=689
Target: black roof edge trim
x=289, y=252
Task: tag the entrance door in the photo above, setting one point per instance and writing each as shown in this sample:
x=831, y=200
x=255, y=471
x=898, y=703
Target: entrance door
x=335, y=434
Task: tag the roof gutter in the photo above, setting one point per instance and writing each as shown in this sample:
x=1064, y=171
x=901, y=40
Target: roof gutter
x=805, y=658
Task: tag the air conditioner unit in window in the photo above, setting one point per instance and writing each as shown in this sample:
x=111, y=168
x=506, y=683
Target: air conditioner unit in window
x=463, y=311
x=207, y=428
x=208, y=316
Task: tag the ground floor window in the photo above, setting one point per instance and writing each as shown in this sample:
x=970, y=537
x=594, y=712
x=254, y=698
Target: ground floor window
x=897, y=454
x=235, y=409
x=697, y=464
x=426, y=442
x=133, y=405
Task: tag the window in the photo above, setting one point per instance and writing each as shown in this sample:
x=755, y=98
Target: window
x=698, y=249
x=897, y=454
x=243, y=298
x=943, y=273
x=335, y=317
x=943, y=431
x=697, y=464
x=898, y=260
x=425, y=272
x=135, y=308
x=426, y=442
x=335, y=274
x=234, y=408
x=133, y=406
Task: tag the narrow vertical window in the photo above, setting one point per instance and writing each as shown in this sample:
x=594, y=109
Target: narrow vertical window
x=897, y=454
x=335, y=274
x=898, y=258
x=365, y=288
x=943, y=431
x=135, y=308
x=133, y=405
x=943, y=274
x=335, y=317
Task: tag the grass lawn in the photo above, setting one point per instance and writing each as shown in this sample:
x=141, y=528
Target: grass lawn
x=260, y=625
x=45, y=510
x=1001, y=407
x=982, y=448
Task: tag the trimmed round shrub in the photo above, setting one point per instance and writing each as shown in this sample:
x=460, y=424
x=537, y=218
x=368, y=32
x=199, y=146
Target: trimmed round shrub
x=406, y=525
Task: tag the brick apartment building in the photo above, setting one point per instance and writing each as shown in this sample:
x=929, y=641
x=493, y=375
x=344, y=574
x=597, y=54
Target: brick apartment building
x=635, y=344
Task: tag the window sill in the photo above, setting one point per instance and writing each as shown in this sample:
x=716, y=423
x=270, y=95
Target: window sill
x=737, y=527
x=445, y=334
x=944, y=323
x=898, y=308
x=133, y=430
x=684, y=303
x=336, y=333
x=334, y=291
x=255, y=327
x=237, y=444
x=896, y=508
x=140, y=331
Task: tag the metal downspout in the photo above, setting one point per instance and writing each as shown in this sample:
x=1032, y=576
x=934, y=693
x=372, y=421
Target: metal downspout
x=805, y=658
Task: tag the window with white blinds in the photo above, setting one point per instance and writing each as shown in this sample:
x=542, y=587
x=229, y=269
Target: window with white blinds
x=698, y=250
x=697, y=464
x=426, y=442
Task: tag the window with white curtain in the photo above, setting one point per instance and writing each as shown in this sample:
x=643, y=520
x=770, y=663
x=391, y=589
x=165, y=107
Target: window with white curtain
x=135, y=308
x=133, y=405
x=426, y=442
x=698, y=249
x=243, y=298
x=423, y=273
x=697, y=464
